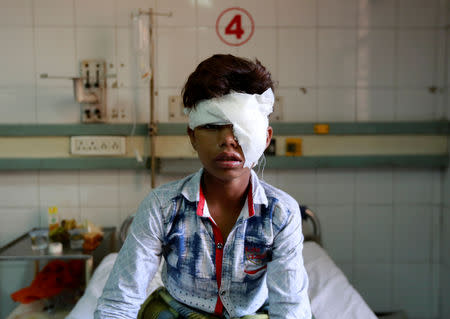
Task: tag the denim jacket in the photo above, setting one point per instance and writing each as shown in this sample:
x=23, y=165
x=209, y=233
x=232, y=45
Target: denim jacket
x=259, y=265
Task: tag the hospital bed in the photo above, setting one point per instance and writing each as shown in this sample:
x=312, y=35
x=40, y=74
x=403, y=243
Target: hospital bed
x=331, y=294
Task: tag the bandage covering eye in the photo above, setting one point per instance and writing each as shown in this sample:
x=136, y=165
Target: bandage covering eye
x=247, y=112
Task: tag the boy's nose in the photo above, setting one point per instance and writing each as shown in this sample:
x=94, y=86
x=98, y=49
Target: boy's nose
x=227, y=136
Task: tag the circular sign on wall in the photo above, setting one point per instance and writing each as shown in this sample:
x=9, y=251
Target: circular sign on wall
x=235, y=26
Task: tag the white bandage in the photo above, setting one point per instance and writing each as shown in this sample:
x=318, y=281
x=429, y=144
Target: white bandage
x=247, y=112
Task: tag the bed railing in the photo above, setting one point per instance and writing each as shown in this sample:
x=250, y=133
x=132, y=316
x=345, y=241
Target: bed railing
x=310, y=225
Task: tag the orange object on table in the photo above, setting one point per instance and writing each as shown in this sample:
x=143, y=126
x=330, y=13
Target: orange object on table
x=51, y=280
x=92, y=241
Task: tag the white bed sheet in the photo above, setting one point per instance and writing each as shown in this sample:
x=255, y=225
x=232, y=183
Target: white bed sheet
x=331, y=294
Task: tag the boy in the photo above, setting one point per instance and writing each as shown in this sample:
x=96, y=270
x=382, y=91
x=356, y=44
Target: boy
x=232, y=244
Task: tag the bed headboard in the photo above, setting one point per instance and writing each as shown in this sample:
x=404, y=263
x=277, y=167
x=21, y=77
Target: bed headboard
x=310, y=226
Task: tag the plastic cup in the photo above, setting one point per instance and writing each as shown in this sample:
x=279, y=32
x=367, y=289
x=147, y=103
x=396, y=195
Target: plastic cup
x=39, y=239
x=76, y=238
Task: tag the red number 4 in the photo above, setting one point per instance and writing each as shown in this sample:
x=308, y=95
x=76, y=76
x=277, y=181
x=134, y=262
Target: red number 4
x=235, y=27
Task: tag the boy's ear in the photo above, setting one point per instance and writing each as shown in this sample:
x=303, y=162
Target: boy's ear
x=192, y=137
x=269, y=135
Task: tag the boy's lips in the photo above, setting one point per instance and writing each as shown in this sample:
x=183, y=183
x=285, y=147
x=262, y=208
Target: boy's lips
x=228, y=159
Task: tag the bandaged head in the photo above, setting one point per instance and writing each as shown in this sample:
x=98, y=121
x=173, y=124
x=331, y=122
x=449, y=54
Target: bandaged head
x=248, y=113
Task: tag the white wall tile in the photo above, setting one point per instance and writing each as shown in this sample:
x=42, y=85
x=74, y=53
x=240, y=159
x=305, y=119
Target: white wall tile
x=446, y=183
x=300, y=184
x=413, y=186
x=298, y=105
x=136, y=102
x=412, y=290
x=335, y=186
x=134, y=186
x=19, y=189
x=262, y=11
x=16, y=12
x=101, y=216
x=347, y=269
x=418, y=13
x=373, y=222
x=59, y=188
x=416, y=58
x=209, y=11
x=436, y=234
x=437, y=187
x=17, y=63
x=262, y=46
x=380, y=13
x=448, y=77
x=297, y=57
x=375, y=104
x=412, y=233
x=95, y=12
x=164, y=179
x=296, y=13
x=55, y=55
x=336, y=223
x=376, y=57
x=415, y=105
x=162, y=109
x=337, y=13
x=54, y=12
x=445, y=246
x=270, y=176
x=126, y=8
x=18, y=221
x=335, y=105
x=96, y=43
x=17, y=105
x=209, y=43
x=99, y=189
x=57, y=105
x=435, y=290
x=337, y=57
x=183, y=13
x=374, y=283
x=128, y=60
x=111, y=103
x=176, y=57
x=445, y=291
x=374, y=186
x=239, y=31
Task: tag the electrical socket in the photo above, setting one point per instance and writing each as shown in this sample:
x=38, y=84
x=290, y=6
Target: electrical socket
x=176, y=109
x=97, y=145
x=119, y=114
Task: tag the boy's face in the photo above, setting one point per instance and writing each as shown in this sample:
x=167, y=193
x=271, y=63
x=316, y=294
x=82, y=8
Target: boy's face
x=219, y=151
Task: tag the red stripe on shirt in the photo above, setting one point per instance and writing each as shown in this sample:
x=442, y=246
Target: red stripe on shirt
x=219, y=257
x=218, y=239
x=201, y=203
x=219, y=252
x=251, y=210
